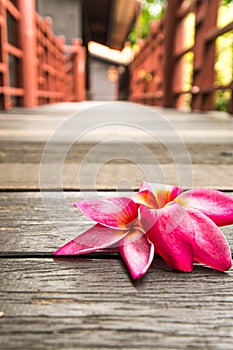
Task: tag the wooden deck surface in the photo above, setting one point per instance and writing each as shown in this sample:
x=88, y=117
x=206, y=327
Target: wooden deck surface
x=91, y=302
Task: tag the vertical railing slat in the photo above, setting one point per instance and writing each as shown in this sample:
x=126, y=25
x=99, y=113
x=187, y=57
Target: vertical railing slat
x=4, y=96
x=204, y=55
x=27, y=10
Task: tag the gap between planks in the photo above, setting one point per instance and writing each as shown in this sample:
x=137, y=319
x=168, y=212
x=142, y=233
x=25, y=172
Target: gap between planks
x=42, y=255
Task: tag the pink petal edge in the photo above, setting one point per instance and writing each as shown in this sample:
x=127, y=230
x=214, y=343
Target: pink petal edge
x=111, y=212
x=95, y=238
x=210, y=247
x=137, y=253
x=216, y=205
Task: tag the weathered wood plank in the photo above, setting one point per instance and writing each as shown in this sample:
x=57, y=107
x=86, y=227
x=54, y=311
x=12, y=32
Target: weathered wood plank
x=31, y=152
x=26, y=227
x=110, y=163
x=93, y=304
x=25, y=222
x=17, y=176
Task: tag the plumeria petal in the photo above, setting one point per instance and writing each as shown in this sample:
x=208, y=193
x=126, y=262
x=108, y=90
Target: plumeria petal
x=137, y=252
x=96, y=238
x=170, y=230
x=216, y=205
x=210, y=247
x=110, y=212
x=156, y=195
x=147, y=198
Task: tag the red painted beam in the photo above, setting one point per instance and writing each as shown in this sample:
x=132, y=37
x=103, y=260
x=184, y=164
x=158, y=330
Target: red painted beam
x=213, y=33
x=27, y=10
x=13, y=50
x=12, y=9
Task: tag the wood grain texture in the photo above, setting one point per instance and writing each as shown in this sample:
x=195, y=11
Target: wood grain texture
x=31, y=152
x=89, y=176
x=90, y=304
x=83, y=303
x=90, y=165
x=28, y=226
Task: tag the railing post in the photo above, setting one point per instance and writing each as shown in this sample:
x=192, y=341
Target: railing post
x=179, y=61
x=5, y=102
x=169, y=46
x=79, y=70
x=231, y=103
x=204, y=55
x=61, y=80
x=81, y=73
x=27, y=9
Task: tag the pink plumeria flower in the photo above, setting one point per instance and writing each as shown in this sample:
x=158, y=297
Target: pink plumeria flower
x=183, y=226
x=117, y=224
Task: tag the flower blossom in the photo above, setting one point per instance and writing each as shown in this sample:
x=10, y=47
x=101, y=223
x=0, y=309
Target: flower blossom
x=117, y=223
x=183, y=226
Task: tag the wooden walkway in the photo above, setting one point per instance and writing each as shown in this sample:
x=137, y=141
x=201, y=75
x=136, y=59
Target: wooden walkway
x=91, y=302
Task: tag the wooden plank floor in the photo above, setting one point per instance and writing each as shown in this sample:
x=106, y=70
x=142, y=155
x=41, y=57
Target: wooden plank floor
x=117, y=141
x=91, y=302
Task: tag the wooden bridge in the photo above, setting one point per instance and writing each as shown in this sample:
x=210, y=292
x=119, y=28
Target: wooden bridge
x=59, y=152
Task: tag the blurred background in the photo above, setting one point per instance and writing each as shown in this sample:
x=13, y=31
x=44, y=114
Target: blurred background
x=174, y=53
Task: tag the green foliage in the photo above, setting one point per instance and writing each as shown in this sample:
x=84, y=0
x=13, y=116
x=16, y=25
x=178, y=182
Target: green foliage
x=150, y=10
x=222, y=100
x=224, y=57
x=226, y=2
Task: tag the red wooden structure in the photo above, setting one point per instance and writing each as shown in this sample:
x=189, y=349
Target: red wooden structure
x=75, y=71
x=146, y=74
x=10, y=54
x=157, y=70
x=33, y=61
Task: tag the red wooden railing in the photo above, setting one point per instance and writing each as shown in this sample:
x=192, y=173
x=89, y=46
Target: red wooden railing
x=146, y=74
x=75, y=71
x=10, y=54
x=50, y=73
x=204, y=86
x=157, y=71
x=33, y=61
